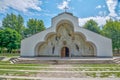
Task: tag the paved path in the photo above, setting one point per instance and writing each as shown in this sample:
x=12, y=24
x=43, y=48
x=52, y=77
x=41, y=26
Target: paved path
x=43, y=78
x=59, y=58
x=6, y=59
x=55, y=71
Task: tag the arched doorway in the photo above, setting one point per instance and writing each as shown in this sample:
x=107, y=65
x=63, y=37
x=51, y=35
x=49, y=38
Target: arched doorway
x=65, y=52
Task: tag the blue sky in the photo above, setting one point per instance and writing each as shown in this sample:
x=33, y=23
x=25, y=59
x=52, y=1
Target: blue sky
x=99, y=10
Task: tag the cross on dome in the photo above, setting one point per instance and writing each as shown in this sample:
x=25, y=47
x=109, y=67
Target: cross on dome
x=65, y=8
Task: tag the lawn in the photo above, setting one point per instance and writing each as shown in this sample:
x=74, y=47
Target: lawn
x=90, y=70
x=95, y=70
x=6, y=68
x=9, y=54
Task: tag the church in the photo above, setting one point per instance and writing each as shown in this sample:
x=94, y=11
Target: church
x=65, y=38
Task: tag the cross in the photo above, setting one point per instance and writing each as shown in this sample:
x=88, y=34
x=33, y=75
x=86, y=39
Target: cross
x=65, y=8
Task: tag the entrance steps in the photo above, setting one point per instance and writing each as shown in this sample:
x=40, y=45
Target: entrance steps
x=62, y=60
x=117, y=60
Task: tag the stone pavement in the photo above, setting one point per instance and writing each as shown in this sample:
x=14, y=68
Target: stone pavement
x=43, y=78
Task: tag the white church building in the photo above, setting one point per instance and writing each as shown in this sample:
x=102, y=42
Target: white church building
x=65, y=38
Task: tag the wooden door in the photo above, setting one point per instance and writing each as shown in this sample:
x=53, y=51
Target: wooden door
x=63, y=52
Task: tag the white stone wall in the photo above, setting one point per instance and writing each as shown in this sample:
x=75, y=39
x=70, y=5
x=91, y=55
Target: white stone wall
x=29, y=46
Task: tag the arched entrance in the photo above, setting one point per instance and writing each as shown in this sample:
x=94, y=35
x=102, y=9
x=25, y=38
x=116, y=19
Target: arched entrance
x=66, y=43
x=65, y=52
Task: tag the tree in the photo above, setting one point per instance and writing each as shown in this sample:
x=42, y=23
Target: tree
x=112, y=30
x=92, y=25
x=1, y=40
x=20, y=24
x=34, y=26
x=9, y=21
x=14, y=22
x=9, y=39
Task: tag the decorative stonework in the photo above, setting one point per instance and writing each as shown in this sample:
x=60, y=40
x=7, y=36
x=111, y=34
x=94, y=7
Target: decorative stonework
x=66, y=42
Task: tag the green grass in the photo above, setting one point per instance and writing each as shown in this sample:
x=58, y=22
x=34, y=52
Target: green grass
x=99, y=67
x=7, y=65
x=9, y=54
x=104, y=74
x=91, y=74
x=11, y=69
x=16, y=73
x=96, y=65
x=34, y=65
x=21, y=68
x=19, y=79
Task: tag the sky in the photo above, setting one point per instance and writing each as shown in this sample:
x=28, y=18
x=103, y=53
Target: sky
x=98, y=10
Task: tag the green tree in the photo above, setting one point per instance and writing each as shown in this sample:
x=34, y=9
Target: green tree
x=14, y=22
x=9, y=39
x=112, y=30
x=20, y=24
x=9, y=21
x=92, y=26
x=1, y=40
x=34, y=26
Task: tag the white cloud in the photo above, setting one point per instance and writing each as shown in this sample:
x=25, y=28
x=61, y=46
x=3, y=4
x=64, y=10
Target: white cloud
x=100, y=20
x=64, y=4
x=20, y=5
x=102, y=13
x=112, y=6
x=99, y=6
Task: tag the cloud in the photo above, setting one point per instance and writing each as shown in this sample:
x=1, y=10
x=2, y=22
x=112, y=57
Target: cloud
x=100, y=20
x=20, y=5
x=64, y=4
x=111, y=7
x=102, y=13
x=99, y=6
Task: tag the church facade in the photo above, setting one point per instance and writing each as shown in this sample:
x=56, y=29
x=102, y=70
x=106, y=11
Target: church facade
x=65, y=38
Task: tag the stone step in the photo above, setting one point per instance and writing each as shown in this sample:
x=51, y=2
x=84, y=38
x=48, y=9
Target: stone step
x=68, y=75
x=1, y=58
x=61, y=75
x=14, y=60
x=117, y=60
x=65, y=61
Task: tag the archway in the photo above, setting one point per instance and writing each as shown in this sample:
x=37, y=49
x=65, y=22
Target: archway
x=56, y=43
x=65, y=52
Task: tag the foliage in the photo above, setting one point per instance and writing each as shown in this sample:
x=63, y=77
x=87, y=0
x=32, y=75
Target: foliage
x=112, y=30
x=92, y=25
x=14, y=22
x=9, y=55
x=34, y=26
x=9, y=39
x=13, y=30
